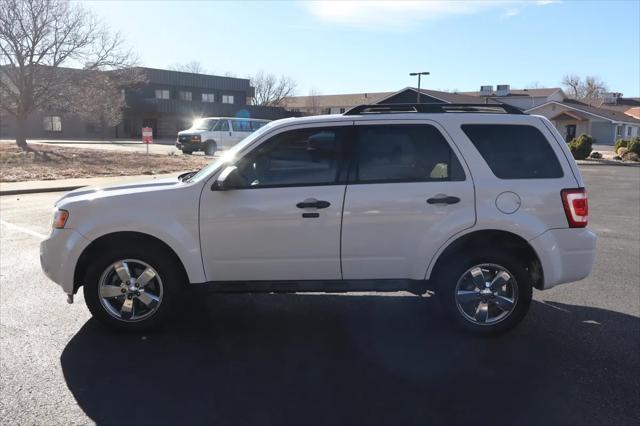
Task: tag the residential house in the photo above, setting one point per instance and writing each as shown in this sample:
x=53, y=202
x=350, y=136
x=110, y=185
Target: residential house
x=573, y=118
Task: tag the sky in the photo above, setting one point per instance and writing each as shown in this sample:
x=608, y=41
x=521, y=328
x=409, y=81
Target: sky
x=352, y=47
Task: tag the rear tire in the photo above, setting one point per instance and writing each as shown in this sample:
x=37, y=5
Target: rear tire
x=150, y=298
x=210, y=148
x=484, y=293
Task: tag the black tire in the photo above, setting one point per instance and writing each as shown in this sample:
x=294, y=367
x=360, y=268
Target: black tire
x=187, y=151
x=448, y=275
x=210, y=148
x=168, y=269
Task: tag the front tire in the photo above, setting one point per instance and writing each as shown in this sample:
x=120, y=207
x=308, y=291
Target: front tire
x=210, y=148
x=484, y=293
x=133, y=289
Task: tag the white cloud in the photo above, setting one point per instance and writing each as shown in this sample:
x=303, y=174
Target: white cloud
x=546, y=2
x=509, y=13
x=395, y=14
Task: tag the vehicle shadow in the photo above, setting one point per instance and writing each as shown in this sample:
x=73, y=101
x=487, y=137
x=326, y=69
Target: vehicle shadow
x=324, y=359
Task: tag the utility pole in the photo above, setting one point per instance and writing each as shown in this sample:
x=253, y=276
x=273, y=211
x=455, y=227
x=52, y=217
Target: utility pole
x=413, y=74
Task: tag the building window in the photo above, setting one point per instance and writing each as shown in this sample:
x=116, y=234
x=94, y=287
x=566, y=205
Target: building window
x=208, y=97
x=184, y=96
x=619, y=131
x=52, y=123
x=342, y=110
x=629, y=130
x=162, y=94
x=227, y=99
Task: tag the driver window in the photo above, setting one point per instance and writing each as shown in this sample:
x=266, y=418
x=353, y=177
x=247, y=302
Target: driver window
x=294, y=158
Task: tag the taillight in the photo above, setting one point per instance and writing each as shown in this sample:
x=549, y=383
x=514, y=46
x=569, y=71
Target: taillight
x=576, y=207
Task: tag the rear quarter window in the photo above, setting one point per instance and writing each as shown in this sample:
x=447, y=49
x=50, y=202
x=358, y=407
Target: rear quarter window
x=514, y=151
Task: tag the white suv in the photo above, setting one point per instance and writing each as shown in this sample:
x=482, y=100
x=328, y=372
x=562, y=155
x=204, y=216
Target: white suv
x=481, y=203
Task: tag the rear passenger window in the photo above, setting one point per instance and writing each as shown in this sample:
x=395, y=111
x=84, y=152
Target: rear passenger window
x=514, y=151
x=404, y=153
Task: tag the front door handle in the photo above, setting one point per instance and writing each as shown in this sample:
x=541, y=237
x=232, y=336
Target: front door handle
x=443, y=199
x=313, y=203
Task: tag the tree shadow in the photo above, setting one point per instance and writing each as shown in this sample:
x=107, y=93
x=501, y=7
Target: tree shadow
x=320, y=359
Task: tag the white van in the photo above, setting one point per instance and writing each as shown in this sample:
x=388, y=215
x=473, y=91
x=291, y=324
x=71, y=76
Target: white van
x=210, y=134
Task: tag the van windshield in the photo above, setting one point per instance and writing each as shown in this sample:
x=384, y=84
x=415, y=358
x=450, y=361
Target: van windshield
x=204, y=124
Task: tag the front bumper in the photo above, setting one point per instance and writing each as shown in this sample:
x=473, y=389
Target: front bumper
x=191, y=146
x=567, y=255
x=59, y=255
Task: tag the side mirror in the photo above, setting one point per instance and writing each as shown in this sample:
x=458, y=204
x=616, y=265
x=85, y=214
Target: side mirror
x=229, y=179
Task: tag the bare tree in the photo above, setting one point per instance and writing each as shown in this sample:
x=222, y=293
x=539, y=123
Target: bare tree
x=193, y=67
x=589, y=90
x=37, y=38
x=271, y=90
x=593, y=89
x=109, y=87
x=313, y=102
x=572, y=83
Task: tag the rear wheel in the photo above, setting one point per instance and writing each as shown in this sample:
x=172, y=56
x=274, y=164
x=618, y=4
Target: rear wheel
x=133, y=289
x=210, y=148
x=485, y=293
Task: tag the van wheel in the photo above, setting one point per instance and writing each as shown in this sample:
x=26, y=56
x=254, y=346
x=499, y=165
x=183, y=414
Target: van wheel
x=210, y=148
x=133, y=289
x=484, y=293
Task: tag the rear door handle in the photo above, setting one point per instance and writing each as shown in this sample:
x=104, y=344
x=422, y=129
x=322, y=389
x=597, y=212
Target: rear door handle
x=313, y=203
x=443, y=199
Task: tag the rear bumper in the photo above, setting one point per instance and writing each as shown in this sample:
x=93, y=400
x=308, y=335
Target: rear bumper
x=567, y=255
x=59, y=255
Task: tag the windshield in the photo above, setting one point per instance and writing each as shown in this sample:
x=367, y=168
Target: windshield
x=204, y=124
x=229, y=156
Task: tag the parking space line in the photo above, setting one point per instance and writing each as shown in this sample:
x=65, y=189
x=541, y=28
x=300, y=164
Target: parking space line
x=23, y=229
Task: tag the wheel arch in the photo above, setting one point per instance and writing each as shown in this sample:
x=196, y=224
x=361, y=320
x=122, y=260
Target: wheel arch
x=122, y=237
x=483, y=240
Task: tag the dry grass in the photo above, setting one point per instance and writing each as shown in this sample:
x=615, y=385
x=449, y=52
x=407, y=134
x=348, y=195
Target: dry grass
x=48, y=162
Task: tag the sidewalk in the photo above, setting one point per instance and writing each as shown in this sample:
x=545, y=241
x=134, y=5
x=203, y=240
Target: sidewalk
x=35, y=186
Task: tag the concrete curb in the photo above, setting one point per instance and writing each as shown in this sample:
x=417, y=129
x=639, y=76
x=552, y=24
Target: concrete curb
x=594, y=162
x=41, y=190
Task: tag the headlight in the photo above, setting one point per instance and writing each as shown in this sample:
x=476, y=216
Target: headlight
x=195, y=138
x=60, y=218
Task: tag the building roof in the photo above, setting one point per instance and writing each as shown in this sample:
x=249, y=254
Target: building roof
x=541, y=92
x=605, y=113
x=326, y=101
x=448, y=97
x=354, y=99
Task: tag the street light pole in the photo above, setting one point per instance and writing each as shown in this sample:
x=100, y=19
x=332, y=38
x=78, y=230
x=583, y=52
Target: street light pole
x=413, y=74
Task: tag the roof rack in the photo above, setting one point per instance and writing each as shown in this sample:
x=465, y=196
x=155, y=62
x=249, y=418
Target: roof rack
x=433, y=108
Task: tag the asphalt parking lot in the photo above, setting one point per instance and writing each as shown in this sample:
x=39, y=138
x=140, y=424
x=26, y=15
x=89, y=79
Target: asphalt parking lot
x=327, y=359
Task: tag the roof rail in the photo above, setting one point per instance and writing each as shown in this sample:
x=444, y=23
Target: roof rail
x=433, y=108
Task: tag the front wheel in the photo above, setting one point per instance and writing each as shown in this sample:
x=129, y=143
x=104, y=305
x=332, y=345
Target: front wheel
x=135, y=289
x=210, y=148
x=485, y=293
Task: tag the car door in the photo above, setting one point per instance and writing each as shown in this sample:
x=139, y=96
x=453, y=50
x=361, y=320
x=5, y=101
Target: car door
x=408, y=192
x=283, y=222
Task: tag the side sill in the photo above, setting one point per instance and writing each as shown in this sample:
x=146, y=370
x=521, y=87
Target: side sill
x=320, y=286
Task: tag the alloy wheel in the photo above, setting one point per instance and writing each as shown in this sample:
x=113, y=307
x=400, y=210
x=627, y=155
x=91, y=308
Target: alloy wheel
x=486, y=294
x=130, y=290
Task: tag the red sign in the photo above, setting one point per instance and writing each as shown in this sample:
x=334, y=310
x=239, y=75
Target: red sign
x=147, y=135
